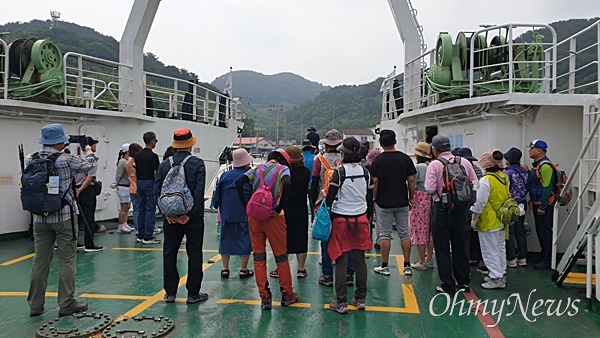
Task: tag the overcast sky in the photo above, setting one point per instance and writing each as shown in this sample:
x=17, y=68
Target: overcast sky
x=329, y=41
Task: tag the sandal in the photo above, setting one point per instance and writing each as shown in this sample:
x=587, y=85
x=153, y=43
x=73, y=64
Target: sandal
x=274, y=274
x=246, y=273
x=302, y=273
x=225, y=273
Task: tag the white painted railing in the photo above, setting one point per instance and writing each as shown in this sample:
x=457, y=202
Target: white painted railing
x=4, y=68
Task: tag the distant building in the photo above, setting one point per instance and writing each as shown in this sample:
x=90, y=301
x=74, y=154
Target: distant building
x=254, y=144
x=361, y=135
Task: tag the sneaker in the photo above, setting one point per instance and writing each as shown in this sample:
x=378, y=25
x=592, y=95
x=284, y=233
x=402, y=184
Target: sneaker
x=340, y=307
x=123, y=231
x=94, y=248
x=266, y=303
x=302, y=273
x=56, y=248
x=381, y=270
x=73, y=308
x=488, y=278
x=440, y=289
x=139, y=240
x=464, y=287
x=512, y=263
x=407, y=271
x=151, y=240
x=169, y=298
x=80, y=246
x=289, y=299
x=101, y=228
x=428, y=264
x=197, y=298
x=543, y=265
x=157, y=231
x=522, y=261
x=33, y=312
x=419, y=266
x=494, y=283
x=483, y=269
x=359, y=303
x=349, y=280
x=128, y=227
x=326, y=280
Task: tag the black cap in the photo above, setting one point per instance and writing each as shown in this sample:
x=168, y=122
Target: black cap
x=513, y=155
x=466, y=153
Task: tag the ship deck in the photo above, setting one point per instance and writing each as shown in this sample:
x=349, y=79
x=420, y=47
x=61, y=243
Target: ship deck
x=126, y=280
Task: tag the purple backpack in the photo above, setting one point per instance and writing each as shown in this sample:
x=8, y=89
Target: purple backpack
x=260, y=204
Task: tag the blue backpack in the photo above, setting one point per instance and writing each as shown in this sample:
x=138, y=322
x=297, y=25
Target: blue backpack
x=175, y=198
x=322, y=223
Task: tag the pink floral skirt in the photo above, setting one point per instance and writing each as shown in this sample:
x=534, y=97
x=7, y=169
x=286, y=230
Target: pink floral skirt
x=419, y=218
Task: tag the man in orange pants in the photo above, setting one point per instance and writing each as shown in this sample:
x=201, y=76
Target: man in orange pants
x=276, y=174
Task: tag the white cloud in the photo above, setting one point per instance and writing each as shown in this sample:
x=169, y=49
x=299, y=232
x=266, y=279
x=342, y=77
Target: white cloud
x=330, y=41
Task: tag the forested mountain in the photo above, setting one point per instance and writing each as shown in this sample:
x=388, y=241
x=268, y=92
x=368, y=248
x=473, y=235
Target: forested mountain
x=70, y=37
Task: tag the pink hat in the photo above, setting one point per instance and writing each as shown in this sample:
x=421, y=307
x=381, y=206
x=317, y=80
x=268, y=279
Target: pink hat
x=241, y=158
x=372, y=155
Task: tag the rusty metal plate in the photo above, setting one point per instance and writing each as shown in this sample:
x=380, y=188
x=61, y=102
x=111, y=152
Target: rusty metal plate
x=78, y=325
x=139, y=327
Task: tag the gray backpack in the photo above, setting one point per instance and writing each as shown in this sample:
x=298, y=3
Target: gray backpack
x=175, y=198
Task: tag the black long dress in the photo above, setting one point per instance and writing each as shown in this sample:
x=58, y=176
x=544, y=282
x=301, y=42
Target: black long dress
x=296, y=211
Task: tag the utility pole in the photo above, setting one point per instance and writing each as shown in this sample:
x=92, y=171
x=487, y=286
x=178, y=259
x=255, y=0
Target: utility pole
x=333, y=115
x=276, y=108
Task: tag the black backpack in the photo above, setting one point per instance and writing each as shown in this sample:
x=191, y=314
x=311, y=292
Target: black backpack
x=457, y=186
x=35, y=184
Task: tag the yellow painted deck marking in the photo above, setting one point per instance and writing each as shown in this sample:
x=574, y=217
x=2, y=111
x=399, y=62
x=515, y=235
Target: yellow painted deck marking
x=257, y=302
x=160, y=295
x=105, y=296
x=24, y=294
x=578, y=278
x=17, y=260
x=380, y=309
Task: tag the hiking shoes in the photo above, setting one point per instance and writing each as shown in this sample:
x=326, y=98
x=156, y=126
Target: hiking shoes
x=73, y=308
x=349, y=280
x=288, y=299
x=339, y=307
x=169, y=298
x=359, y=303
x=36, y=311
x=483, y=270
x=326, y=280
x=494, y=283
x=151, y=240
x=94, y=248
x=197, y=298
x=381, y=270
x=266, y=303
x=419, y=266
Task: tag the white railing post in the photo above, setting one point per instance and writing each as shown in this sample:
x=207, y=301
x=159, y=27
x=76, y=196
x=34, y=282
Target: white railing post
x=572, y=64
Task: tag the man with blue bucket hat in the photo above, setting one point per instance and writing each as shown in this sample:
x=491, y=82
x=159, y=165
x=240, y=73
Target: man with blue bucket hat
x=58, y=226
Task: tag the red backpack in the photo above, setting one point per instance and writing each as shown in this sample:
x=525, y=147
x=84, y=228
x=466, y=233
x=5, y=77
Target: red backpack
x=260, y=204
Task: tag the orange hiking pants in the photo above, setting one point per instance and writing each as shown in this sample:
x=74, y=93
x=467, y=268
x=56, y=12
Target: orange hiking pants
x=274, y=229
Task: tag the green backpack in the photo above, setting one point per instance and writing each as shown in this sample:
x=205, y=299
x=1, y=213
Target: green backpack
x=509, y=212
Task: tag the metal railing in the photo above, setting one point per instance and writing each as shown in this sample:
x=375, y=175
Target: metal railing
x=570, y=68
x=92, y=82
x=528, y=70
x=4, y=68
x=187, y=100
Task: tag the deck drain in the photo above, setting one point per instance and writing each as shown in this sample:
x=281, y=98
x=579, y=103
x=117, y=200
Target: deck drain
x=139, y=327
x=78, y=325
